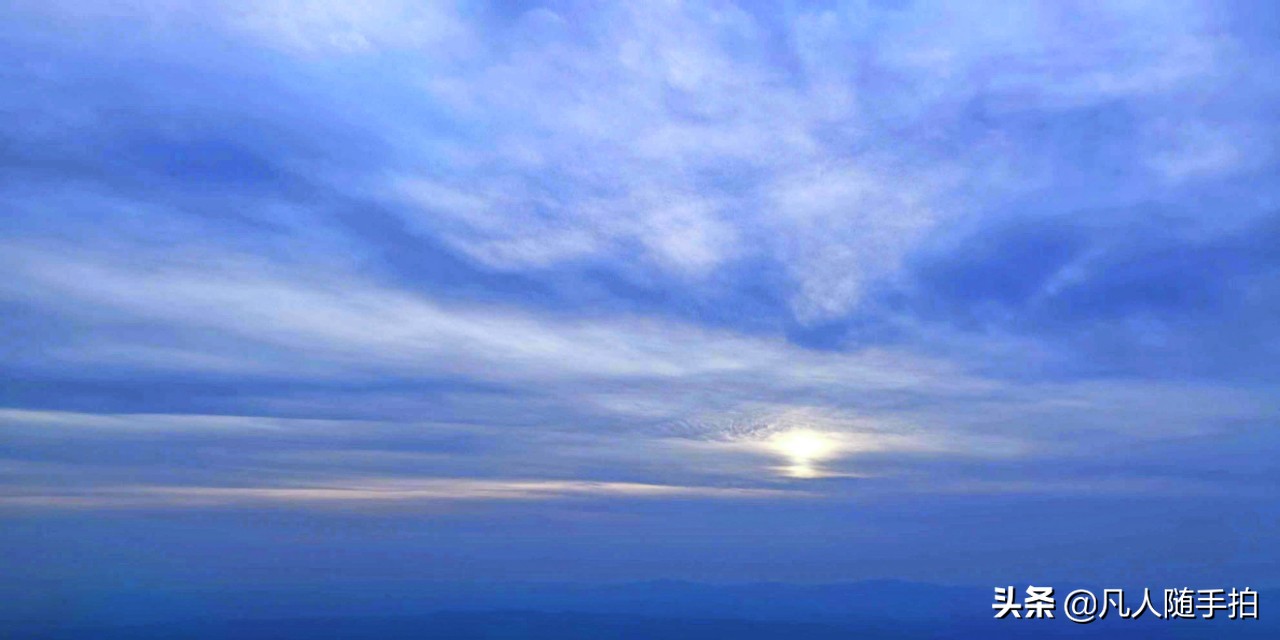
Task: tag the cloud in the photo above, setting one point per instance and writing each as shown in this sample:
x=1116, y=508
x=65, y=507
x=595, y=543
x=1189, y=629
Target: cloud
x=303, y=27
x=312, y=27
x=886, y=211
x=620, y=141
x=365, y=491
x=651, y=158
x=340, y=322
x=627, y=245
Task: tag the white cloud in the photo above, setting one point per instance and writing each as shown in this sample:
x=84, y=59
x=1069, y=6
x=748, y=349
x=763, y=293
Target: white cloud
x=854, y=223
x=674, y=137
x=356, y=325
x=646, y=139
x=362, y=492
x=659, y=142
x=680, y=140
x=160, y=423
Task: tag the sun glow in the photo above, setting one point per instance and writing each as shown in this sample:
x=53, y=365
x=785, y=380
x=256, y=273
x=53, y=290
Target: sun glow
x=804, y=445
x=803, y=448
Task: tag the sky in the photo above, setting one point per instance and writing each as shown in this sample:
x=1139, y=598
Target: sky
x=300, y=292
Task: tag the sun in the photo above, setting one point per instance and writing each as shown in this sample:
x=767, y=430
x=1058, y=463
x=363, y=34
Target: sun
x=803, y=446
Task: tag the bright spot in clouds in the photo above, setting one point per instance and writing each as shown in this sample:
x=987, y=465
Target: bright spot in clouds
x=803, y=449
x=804, y=445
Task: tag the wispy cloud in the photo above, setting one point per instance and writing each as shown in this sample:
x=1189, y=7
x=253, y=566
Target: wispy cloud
x=337, y=321
x=365, y=491
x=887, y=267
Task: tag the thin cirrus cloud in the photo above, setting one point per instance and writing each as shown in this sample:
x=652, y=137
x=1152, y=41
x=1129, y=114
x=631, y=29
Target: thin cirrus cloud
x=619, y=138
x=483, y=249
x=363, y=492
x=357, y=323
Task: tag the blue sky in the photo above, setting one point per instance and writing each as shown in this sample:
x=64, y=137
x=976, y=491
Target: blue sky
x=504, y=291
